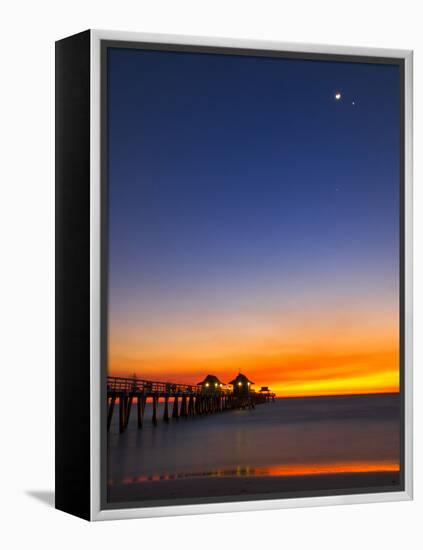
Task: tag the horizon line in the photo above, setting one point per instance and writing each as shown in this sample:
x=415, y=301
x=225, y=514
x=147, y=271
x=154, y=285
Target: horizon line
x=279, y=396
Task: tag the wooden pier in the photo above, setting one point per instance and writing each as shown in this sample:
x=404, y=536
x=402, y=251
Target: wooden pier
x=180, y=400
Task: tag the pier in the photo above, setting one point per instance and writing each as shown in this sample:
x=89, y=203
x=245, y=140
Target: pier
x=180, y=400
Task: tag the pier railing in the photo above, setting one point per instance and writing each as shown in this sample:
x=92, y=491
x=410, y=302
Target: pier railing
x=151, y=387
x=118, y=384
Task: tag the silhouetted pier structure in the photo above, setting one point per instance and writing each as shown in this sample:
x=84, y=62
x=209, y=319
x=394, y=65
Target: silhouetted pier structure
x=180, y=400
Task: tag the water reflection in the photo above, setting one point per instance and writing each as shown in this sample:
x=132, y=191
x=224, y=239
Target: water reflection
x=289, y=437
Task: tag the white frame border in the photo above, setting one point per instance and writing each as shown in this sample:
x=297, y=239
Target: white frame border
x=95, y=171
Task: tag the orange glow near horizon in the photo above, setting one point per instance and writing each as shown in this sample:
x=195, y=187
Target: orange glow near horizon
x=319, y=348
x=287, y=373
x=341, y=376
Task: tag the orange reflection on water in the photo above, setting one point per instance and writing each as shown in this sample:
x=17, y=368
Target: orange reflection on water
x=280, y=470
x=330, y=468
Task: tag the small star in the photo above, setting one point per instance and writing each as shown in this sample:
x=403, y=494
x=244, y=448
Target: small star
x=353, y=103
x=338, y=96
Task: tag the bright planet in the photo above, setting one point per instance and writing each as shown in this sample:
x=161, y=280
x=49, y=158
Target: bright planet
x=338, y=96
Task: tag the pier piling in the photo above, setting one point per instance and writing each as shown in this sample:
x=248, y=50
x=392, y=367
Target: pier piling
x=154, y=418
x=110, y=410
x=184, y=412
x=140, y=409
x=175, y=408
x=166, y=409
x=122, y=410
x=128, y=409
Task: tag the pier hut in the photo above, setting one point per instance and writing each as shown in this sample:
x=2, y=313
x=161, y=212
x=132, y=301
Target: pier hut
x=266, y=394
x=241, y=384
x=210, y=384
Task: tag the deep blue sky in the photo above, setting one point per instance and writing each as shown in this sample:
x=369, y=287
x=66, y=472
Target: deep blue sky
x=230, y=175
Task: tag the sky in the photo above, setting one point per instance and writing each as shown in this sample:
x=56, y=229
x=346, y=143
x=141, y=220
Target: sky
x=254, y=221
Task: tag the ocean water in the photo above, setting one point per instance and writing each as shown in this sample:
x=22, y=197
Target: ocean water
x=308, y=435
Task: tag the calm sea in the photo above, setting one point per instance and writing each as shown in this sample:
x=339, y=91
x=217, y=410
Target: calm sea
x=301, y=435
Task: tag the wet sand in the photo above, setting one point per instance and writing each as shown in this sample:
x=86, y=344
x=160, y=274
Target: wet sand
x=242, y=488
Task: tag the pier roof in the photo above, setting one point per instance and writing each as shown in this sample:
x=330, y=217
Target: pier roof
x=240, y=380
x=212, y=381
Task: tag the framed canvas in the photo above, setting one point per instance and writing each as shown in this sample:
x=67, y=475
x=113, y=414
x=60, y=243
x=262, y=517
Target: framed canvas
x=233, y=275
